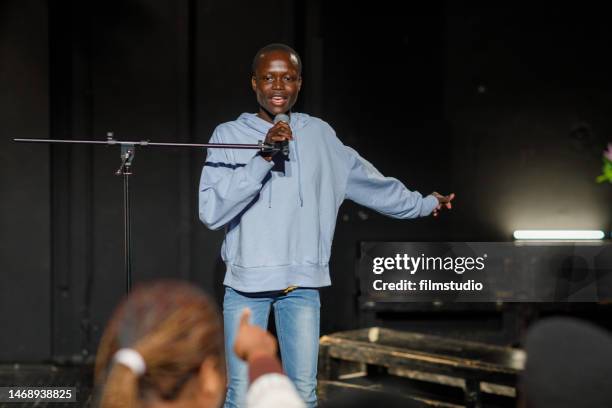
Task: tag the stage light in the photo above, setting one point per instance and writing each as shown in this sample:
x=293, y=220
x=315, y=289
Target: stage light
x=570, y=235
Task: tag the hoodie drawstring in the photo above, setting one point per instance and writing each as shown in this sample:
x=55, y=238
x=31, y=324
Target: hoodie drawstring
x=299, y=171
x=270, y=192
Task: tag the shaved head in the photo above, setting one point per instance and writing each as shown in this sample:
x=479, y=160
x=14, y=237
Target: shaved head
x=294, y=56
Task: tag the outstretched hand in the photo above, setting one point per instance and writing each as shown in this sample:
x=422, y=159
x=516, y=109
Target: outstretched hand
x=252, y=340
x=444, y=201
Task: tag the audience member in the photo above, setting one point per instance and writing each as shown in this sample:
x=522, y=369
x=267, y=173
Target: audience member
x=163, y=347
x=569, y=364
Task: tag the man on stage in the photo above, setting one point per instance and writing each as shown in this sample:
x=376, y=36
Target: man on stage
x=279, y=215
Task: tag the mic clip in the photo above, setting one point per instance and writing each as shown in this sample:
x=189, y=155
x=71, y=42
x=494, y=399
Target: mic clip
x=266, y=147
x=282, y=147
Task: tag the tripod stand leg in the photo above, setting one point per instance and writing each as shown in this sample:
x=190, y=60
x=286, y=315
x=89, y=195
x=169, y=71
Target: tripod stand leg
x=127, y=231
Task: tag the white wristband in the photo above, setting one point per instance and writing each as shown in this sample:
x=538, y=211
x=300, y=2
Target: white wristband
x=131, y=359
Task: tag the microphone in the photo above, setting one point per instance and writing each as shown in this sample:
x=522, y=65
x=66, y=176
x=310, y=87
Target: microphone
x=284, y=145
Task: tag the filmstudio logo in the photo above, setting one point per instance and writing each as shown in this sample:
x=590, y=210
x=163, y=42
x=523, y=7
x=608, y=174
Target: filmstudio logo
x=411, y=264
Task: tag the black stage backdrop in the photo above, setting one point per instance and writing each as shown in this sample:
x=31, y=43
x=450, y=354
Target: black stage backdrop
x=507, y=105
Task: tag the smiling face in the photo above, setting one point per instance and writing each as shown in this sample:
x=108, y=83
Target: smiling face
x=276, y=82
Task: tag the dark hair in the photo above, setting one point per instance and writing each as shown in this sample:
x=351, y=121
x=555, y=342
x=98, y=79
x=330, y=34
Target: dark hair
x=277, y=47
x=174, y=326
x=568, y=365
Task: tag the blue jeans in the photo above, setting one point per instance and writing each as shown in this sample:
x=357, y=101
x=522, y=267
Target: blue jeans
x=296, y=315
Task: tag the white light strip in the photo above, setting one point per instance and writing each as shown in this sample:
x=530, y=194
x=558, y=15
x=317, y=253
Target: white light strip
x=559, y=234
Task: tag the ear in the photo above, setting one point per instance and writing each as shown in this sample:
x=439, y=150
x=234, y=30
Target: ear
x=254, y=83
x=299, y=85
x=211, y=379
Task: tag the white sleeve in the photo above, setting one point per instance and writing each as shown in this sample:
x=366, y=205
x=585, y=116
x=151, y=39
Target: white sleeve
x=273, y=390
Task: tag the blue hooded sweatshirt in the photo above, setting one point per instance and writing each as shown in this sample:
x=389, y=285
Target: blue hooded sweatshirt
x=279, y=225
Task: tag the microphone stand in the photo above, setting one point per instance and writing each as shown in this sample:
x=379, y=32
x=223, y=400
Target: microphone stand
x=128, y=151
